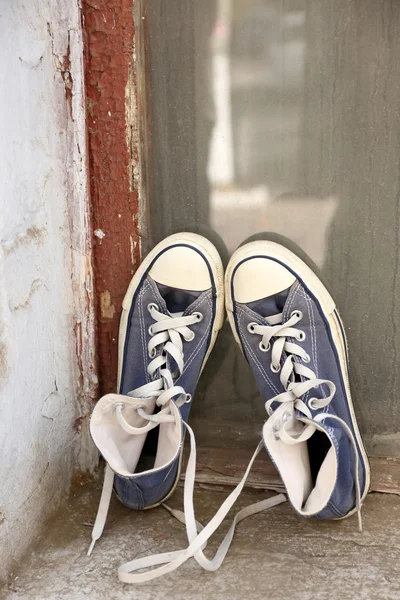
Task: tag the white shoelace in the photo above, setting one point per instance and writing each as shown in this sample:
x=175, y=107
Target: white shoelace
x=167, y=332
x=197, y=534
x=295, y=390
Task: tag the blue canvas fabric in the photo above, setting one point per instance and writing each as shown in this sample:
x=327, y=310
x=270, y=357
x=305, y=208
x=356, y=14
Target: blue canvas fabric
x=324, y=361
x=145, y=489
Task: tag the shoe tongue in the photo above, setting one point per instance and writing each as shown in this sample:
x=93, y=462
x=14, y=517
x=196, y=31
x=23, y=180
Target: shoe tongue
x=272, y=305
x=177, y=300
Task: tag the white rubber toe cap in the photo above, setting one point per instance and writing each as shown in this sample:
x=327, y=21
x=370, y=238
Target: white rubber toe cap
x=258, y=278
x=181, y=267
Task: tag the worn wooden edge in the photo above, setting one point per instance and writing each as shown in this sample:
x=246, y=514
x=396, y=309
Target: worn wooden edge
x=143, y=93
x=225, y=467
x=111, y=120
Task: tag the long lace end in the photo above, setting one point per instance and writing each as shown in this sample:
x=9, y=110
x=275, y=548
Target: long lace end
x=91, y=547
x=360, y=527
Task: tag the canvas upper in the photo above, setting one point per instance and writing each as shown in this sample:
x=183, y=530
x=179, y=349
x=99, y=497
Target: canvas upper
x=312, y=437
x=145, y=489
x=172, y=312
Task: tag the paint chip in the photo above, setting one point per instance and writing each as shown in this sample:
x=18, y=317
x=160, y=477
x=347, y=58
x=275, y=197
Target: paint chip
x=106, y=308
x=99, y=233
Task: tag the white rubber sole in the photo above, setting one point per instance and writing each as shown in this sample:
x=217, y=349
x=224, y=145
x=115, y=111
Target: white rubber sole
x=208, y=250
x=316, y=287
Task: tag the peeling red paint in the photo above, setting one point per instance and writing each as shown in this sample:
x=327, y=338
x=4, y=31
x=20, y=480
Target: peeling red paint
x=109, y=63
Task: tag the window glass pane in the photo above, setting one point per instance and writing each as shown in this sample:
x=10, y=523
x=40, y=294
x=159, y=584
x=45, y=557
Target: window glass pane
x=283, y=116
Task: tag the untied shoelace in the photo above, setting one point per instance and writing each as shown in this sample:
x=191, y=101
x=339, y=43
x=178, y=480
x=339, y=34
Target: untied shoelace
x=167, y=333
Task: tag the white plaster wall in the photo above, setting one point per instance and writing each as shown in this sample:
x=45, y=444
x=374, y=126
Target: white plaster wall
x=47, y=376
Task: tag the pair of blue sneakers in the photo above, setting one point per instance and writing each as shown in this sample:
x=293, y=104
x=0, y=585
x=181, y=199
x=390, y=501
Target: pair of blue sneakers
x=290, y=332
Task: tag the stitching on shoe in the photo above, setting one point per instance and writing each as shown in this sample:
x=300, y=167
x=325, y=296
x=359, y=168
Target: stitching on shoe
x=259, y=365
x=335, y=510
x=168, y=473
x=297, y=291
x=126, y=496
x=200, y=343
x=148, y=286
x=310, y=308
x=152, y=286
x=196, y=351
x=309, y=302
x=291, y=296
x=313, y=338
x=313, y=333
x=200, y=299
x=250, y=313
x=322, y=389
x=143, y=329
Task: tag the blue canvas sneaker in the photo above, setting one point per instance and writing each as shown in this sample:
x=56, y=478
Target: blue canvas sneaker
x=172, y=312
x=290, y=332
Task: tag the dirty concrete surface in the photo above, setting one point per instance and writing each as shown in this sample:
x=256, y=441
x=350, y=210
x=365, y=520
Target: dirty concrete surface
x=275, y=555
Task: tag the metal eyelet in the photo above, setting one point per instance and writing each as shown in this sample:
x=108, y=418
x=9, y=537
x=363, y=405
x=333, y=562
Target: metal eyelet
x=307, y=359
x=152, y=305
x=250, y=327
x=275, y=369
x=120, y=405
x=301, y=337
x=191, y=337
x=150, y=330
x=264, y=348
x=311, y=404
x=297, y=313
x=153, y=353
x=199, y=316
x=188, y=398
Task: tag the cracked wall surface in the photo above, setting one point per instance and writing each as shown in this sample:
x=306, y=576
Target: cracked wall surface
x=47, y=363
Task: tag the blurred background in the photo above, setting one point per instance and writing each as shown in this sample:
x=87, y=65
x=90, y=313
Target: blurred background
x=282, y=116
